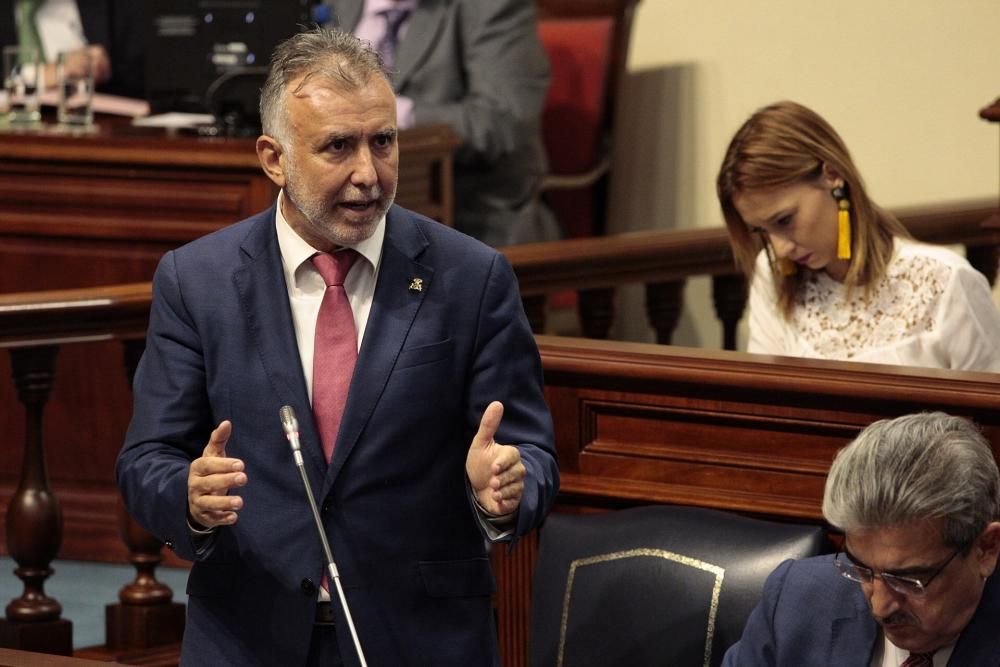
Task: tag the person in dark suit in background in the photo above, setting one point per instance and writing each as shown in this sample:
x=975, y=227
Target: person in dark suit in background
x=418, y=481
x=918, y=498
x=110, y=31
x=478, y=66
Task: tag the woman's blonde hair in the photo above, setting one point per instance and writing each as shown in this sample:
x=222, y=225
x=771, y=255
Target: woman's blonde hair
x=783, y=144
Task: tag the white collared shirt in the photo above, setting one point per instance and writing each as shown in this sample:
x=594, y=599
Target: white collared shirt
x=887, y=654
x=306, y=286
x=59, y=28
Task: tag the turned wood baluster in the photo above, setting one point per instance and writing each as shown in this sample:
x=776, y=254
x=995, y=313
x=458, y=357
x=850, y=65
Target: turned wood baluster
x=597, y=311
x=663, y=307
x=984, y=259
x=534, y=309
x=34, y=518
x=146, y=615
x=729, y=295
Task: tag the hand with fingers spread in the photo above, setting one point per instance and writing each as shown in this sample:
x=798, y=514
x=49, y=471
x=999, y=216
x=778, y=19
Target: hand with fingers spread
x=495, y=471
x=210, y=478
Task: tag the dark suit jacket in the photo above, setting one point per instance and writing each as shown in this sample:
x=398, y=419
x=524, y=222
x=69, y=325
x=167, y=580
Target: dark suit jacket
x=411, y=555
x=478, y=66
x=117, y=25
x=811, y=615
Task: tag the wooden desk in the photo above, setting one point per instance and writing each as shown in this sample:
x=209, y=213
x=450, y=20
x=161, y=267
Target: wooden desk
x=102, y=209
x=12, y=658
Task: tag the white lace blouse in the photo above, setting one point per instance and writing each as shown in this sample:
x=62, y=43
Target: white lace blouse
x=930, y=309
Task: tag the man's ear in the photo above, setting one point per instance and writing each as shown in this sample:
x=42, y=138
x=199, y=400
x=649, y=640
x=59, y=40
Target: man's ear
x=270, y=153
x=987, y=548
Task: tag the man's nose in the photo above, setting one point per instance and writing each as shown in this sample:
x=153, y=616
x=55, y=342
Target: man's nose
x=363, y=173
x=883, y=600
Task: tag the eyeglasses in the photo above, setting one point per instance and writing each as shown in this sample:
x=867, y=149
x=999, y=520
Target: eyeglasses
x=863, y=574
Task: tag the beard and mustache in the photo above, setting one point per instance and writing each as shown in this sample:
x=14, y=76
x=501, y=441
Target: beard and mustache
x=320, y=210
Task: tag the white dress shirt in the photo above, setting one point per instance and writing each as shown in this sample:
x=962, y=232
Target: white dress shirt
x=306, y=286
x=59, y=28
x=887, y=654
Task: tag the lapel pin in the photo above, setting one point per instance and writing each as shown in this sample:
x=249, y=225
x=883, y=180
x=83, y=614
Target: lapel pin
x=416, y=284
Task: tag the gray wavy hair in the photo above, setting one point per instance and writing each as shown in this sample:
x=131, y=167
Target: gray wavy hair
x=335, y=55
x=916, y=467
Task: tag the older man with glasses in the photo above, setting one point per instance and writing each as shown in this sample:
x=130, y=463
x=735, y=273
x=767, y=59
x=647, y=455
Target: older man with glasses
x=918, y=499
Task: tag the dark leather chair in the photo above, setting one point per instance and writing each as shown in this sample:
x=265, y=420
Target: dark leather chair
x=658, y=585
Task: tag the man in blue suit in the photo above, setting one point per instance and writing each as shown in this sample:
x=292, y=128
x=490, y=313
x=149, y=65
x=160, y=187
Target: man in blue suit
x=446, y=370
x=918, y=498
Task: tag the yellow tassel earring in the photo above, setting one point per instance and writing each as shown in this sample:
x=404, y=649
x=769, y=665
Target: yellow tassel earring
x=787, y=267
x=843, y=222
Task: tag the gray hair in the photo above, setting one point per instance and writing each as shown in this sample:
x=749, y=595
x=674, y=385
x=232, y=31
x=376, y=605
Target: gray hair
x=335, y=55
x=916, y=467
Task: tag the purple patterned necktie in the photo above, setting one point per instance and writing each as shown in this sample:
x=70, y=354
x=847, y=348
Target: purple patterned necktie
x=390, y=40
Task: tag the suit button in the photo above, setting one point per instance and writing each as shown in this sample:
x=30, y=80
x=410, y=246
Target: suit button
x=326, y=506
x=308, y=587
x=169, y=544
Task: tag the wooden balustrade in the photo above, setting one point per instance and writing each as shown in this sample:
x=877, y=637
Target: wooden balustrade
x=33, y=326
x=664, y=260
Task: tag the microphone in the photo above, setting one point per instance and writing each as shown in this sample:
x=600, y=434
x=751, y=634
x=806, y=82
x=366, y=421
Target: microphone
x=291, y=427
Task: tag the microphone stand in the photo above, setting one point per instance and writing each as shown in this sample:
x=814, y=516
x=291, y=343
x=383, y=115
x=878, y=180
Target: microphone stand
x=291, y=426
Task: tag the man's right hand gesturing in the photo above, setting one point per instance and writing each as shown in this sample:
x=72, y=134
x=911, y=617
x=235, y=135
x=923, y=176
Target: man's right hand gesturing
x=209, y=480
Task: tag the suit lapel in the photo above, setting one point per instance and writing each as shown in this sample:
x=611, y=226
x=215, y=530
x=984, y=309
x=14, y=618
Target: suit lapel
x=854, y=630
x=422, y=34
x=979, y=643
x=260, y=281
x=394, y=308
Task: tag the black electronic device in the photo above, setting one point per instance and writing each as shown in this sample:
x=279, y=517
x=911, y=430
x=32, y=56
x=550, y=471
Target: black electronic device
x=211, y=56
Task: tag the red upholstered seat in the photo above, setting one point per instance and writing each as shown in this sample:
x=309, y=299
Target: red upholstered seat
x=575, y=120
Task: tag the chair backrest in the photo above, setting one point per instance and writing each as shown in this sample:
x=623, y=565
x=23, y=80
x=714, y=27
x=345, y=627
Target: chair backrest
x=656, y=585
x=573, y=118
x=586, y=42
x=620, y=13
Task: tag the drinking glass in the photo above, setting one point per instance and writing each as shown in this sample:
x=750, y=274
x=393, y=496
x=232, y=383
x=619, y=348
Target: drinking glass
x=21, y=74
x=75, y=80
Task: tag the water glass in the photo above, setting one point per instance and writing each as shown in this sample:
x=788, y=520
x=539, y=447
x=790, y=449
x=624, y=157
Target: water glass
x=75, y=80
x=21, y=77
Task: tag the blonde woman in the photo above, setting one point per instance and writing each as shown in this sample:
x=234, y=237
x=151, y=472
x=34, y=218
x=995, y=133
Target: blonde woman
x=833, y=275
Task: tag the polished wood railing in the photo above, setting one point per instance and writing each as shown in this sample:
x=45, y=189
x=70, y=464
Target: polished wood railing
x=33, y=327
x=662, y=261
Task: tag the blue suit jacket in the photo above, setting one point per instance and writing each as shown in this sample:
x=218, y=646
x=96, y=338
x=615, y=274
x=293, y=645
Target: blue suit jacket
x=411, y=555
x=811, y=615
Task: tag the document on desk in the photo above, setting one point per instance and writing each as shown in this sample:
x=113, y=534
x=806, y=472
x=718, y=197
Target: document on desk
x=104, y=103
x=175, y=120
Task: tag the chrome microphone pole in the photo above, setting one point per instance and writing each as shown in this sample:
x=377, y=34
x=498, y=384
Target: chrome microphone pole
x=291, y=426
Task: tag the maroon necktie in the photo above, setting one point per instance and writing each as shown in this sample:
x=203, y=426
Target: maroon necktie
x=336, y=347
x=919, y=660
